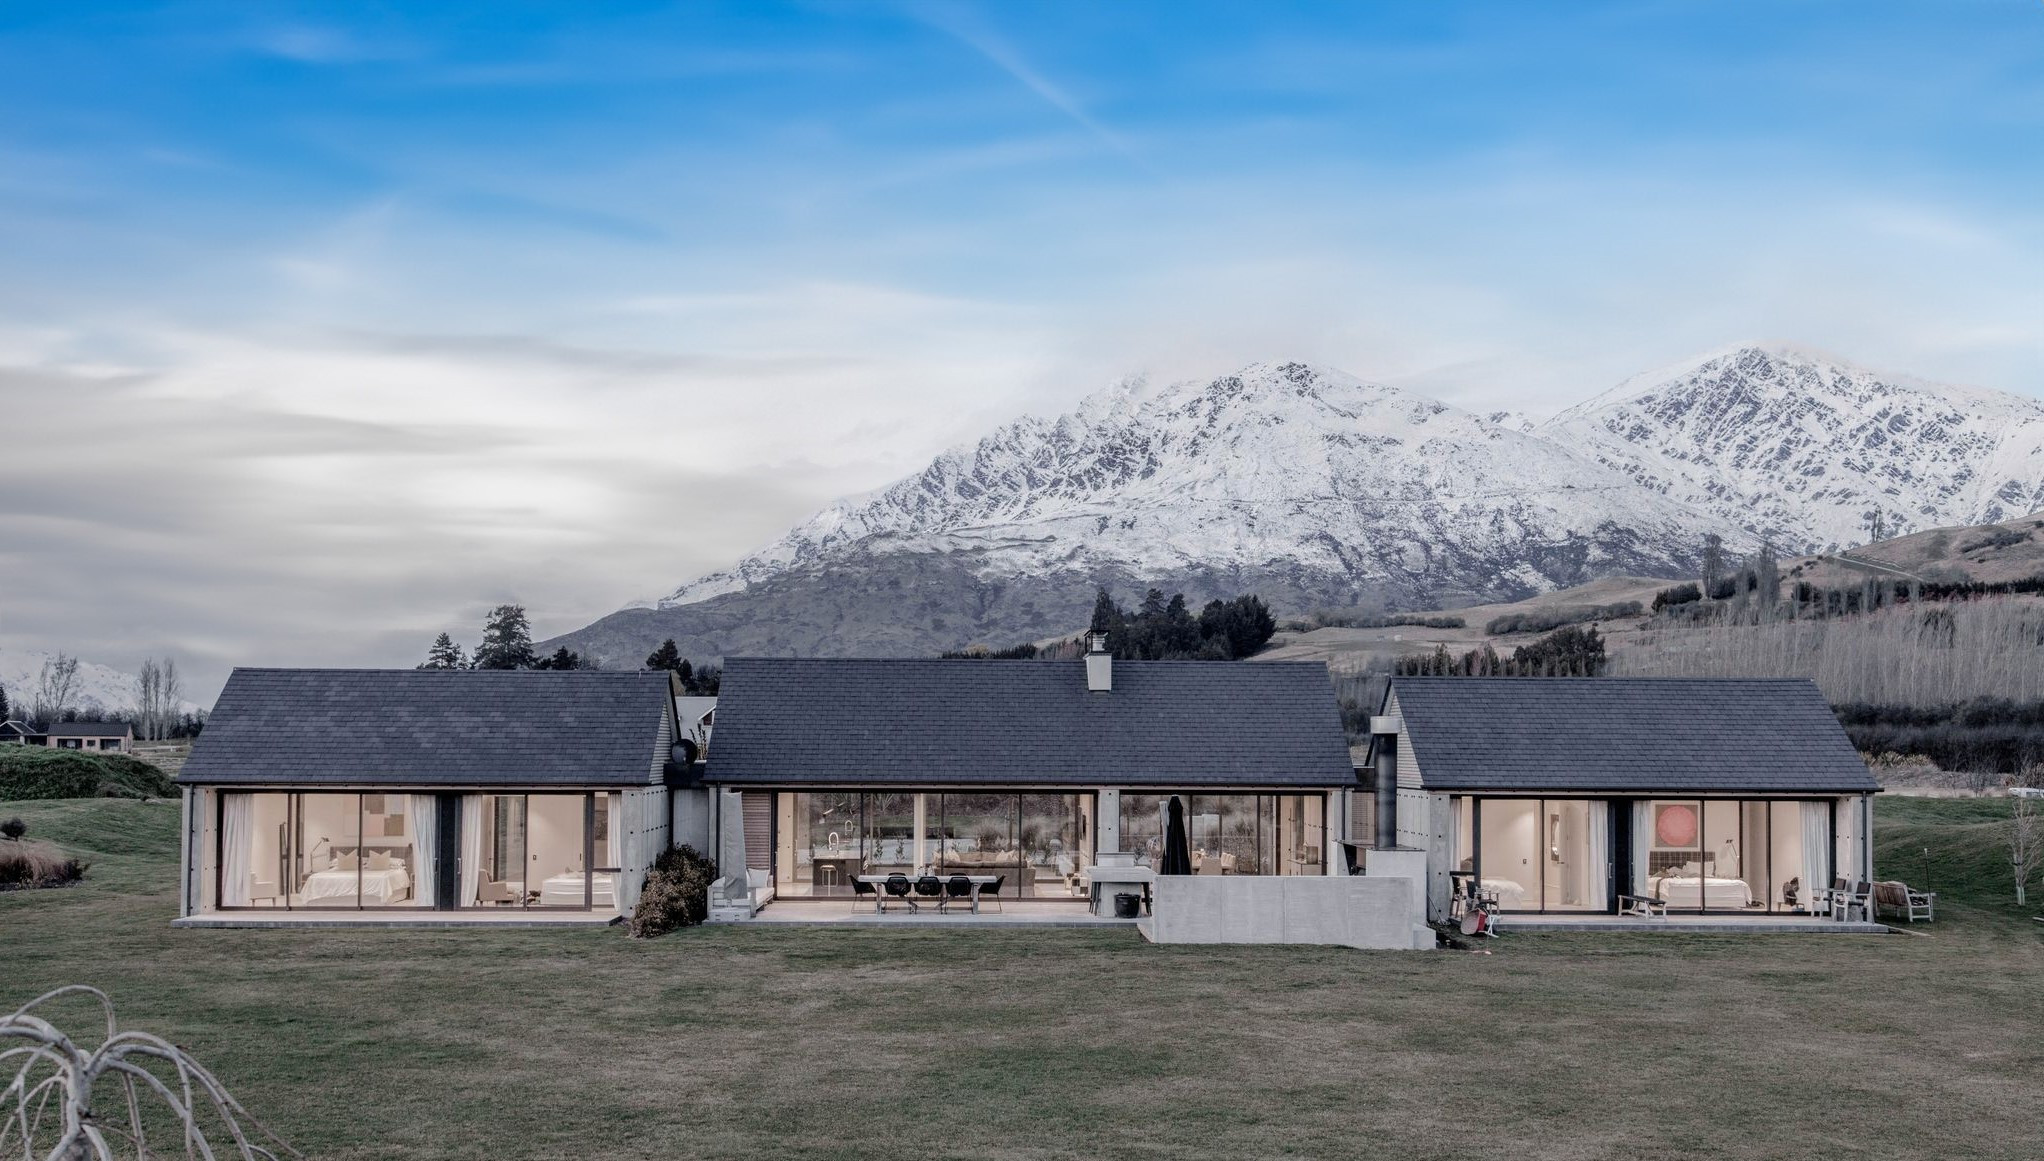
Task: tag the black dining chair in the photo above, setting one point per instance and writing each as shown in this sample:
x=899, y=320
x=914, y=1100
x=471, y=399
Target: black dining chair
x=956, y=887
x=860, y=889
x=991, y=892
x=897, y=888
x=931, y=887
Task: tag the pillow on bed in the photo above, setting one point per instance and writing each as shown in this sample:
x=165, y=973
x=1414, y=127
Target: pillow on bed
x=379, y=860
x=345, y=863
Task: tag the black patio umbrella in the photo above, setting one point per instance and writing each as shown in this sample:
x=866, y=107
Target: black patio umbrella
x=1177, y=852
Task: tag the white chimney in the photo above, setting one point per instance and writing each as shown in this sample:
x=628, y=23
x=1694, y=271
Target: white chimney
x=1099, y=664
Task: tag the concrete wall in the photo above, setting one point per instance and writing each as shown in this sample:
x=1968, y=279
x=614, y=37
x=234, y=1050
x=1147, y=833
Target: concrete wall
x=1363, y=911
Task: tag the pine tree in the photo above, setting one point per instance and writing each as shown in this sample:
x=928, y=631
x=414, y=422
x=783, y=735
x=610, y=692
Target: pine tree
x=507, y=640
x=562, y=658
x=5, y=713
x=445, y=654
x=666, y=657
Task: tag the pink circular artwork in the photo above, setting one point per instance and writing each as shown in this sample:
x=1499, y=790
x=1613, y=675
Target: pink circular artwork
x=1676, y=826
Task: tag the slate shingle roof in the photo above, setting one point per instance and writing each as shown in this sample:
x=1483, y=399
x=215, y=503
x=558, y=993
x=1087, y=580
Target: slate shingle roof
x=435, y=727
x=1650, y=735
x=1029, y=723
x=87, y=730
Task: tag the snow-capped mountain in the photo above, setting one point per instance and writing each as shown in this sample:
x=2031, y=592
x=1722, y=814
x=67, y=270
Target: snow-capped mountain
x=1808, y=448
x=1287, y=470
x=1311, y=487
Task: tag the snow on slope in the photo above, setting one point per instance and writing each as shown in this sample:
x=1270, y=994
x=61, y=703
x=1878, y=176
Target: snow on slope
x=100, y=688
x=1780, y=439
x=1278, y=468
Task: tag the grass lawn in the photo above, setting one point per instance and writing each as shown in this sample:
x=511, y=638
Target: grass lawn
x=805, y=1043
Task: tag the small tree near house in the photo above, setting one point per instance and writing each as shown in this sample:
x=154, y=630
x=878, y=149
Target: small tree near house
x=2026, y=831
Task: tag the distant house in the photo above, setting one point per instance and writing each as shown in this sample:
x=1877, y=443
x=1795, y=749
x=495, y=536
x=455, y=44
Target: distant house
x=500, y=793
x=101, y=736
x=18, y=734
x=1564, y=794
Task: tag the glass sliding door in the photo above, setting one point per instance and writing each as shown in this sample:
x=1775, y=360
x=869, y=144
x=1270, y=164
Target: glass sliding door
x=1732, y=855
x=1232, y=834
x=324, y=850
x=1039, y=843
x=532, y=851
x=1536, y=854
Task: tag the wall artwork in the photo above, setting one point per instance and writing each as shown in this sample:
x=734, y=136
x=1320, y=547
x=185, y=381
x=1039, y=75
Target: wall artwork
x=1675, y=825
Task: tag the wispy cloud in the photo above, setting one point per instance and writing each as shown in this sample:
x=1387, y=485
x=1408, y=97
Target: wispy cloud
x=956, y=23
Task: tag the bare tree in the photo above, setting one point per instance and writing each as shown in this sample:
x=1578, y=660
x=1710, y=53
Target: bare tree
x=68, y=1102
x=148, y=700
x=55, y=687
x=2026, y=831
x=159, y=692
x=1713, y=562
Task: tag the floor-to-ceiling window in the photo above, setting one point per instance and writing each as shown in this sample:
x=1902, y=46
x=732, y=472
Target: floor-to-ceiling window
x=1718, y=854
x=542, y=851
x=1232, y=834
x=323, y=850
x=1535, y=854
x=1038, y=843
x=326, y=850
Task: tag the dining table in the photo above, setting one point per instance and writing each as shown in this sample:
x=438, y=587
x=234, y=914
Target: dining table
x=879, y=885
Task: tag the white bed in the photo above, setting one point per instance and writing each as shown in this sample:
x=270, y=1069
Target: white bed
x=1716, y=894
x=1510, y=895
x=335, y=886
x=566, y=891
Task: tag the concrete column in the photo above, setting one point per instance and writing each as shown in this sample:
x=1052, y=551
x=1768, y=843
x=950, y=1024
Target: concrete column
x=921, y=832
x=1107, y=819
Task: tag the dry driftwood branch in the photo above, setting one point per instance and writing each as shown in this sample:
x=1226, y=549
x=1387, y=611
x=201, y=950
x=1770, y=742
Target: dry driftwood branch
x=47, y=1109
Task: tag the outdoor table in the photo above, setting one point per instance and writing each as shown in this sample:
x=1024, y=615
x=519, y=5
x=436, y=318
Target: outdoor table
x=879, y=883
x=1098, y=879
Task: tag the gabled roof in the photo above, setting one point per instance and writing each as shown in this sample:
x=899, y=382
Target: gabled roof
x=13, y=728
x=1026, y=723
x=1648, y=735
x=436, y=727
x=87, y=729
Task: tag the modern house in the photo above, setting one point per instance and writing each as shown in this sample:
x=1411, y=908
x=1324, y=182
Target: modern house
x=388, y=793
x=18, y=734
x=545, y=796
x=1715, y=796
x=107, y=737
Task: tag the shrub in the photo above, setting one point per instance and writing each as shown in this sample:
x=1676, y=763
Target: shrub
x=677, y=893
x=1544, y=620
x=1335, y=620
x=32, y=772
x=24, y=865
x=1998, y=538
x=1687, y=594
x=13, y=828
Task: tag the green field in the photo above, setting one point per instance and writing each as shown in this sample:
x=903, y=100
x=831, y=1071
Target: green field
x=813, y=1043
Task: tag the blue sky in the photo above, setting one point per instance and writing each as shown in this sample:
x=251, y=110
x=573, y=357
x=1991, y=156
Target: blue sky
x=387, y=312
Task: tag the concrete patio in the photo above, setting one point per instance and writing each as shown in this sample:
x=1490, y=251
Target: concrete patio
x=1692, y=924
x=1013, y=913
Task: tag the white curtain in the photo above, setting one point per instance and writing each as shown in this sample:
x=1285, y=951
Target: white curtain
x=425, y=864
x=471, y=849
x=237, y=840
x=1597, y=855
x=615, y=856
x=1816, y=848
x=1642, y=842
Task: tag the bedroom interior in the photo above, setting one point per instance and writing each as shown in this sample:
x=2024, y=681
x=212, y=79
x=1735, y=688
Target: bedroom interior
x=318, y=850
x=1706, y=855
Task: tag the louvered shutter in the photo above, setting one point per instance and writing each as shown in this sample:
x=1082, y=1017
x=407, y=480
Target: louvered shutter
x=759, y=830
